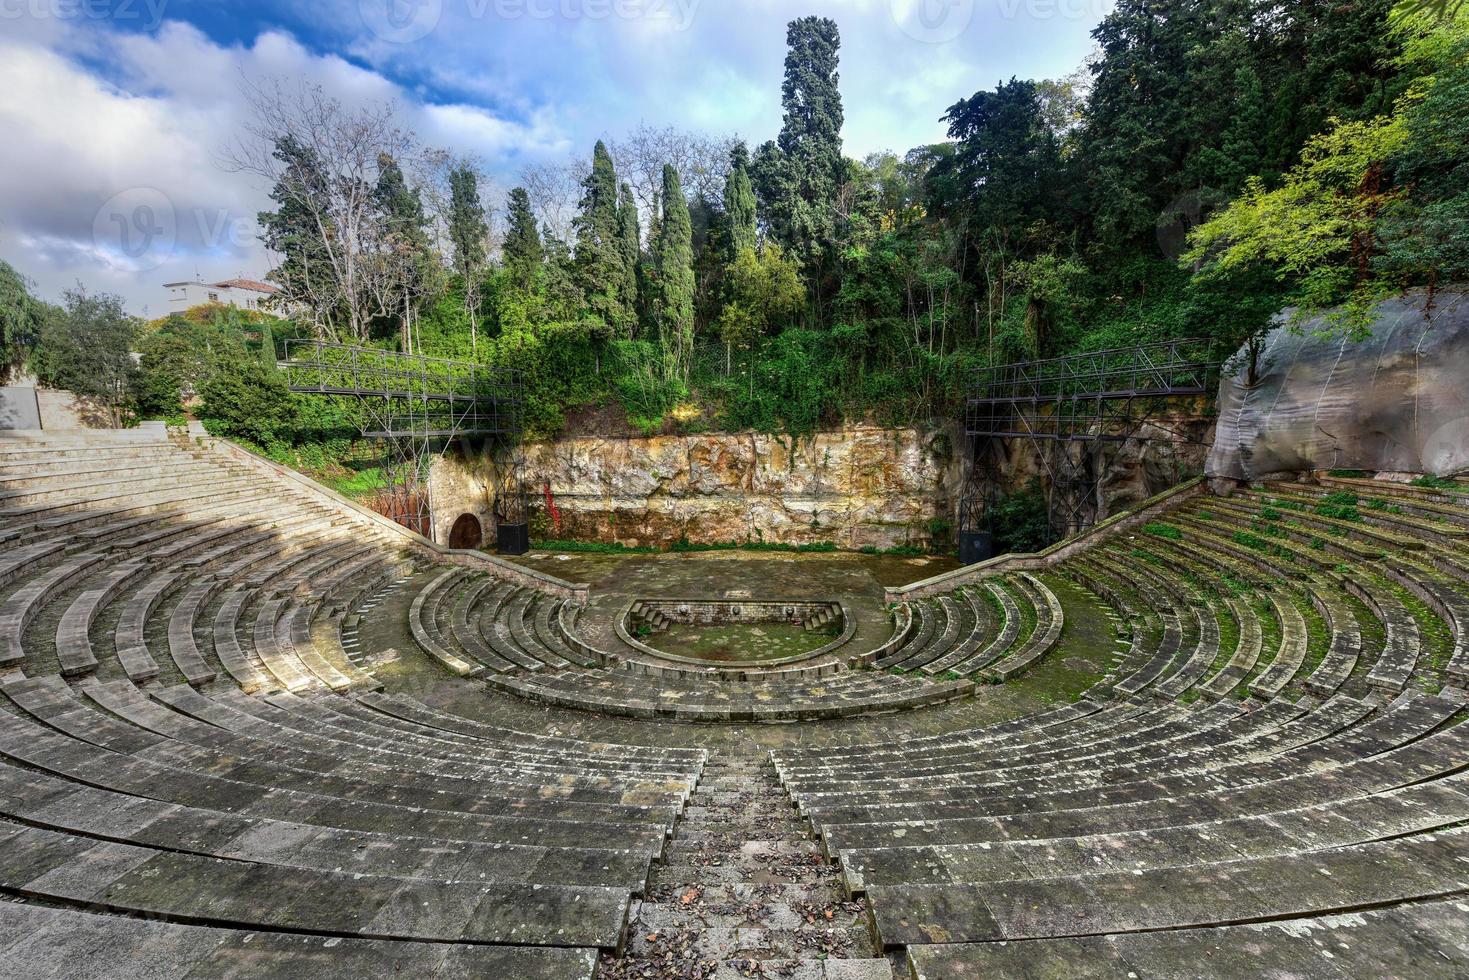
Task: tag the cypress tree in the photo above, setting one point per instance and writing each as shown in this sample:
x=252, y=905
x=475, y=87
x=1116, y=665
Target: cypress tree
x=523, y=250
x=600, y=266
x=798, y=176
x=630, y=250
x=467, y=227
x=739, y=204
x=400, y=212
x=468, y=231
x=673, y=285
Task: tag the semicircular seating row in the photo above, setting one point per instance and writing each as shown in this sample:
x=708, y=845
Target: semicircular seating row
x=529, y=644
x=195, y=780
x=1273, y=781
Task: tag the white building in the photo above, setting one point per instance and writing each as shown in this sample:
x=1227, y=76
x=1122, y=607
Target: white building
x=246, y=294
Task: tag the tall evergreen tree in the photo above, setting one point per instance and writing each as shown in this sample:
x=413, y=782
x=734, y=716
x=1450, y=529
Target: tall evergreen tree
x=522, y=248
x=797, y=177
x=406, y=248
x=629, y=247
x=304, y=273
x=468, y=231
x=672, y=300
x=600, y=266
x=739, y=204
x=468, y=228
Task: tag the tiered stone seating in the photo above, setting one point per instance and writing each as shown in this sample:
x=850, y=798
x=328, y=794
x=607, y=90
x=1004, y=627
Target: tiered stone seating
x=186, y=769
x=1161, y=818
x=1268, y=776
x=525, y=643
x=997, y=629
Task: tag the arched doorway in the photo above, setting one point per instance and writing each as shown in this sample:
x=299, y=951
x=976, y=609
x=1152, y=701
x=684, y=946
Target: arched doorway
x=467, y=534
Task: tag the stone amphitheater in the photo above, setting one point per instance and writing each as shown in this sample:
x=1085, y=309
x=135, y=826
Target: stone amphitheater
x=249, y=729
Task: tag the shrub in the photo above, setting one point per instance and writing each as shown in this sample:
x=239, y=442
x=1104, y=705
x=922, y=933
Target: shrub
x=1163, y=531
x=246, y=400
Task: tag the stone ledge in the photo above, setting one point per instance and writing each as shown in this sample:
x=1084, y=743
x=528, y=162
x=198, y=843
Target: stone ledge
x=1056, y=553
x=476, y=560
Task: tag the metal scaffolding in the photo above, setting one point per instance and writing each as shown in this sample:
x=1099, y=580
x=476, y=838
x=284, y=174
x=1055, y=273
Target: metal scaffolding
x=1067, y=409
x=415, y=408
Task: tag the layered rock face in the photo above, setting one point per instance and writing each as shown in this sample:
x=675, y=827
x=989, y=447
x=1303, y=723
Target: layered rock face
x=855, y=487
x=1397, y=401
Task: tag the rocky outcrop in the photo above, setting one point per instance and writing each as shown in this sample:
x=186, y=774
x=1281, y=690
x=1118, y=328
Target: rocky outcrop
x=1397, y=401
x=855, y=487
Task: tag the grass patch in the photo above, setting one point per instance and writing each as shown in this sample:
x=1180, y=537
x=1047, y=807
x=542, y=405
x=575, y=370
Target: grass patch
x=1318, y=637
x=1270, y=639
x=1348, y=474
x=1159, y=530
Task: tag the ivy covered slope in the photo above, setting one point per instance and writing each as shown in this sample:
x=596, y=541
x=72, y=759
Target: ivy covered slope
x=1211, y=164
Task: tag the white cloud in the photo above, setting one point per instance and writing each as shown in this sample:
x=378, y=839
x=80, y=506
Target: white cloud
x=92, y=111
x=101, y=124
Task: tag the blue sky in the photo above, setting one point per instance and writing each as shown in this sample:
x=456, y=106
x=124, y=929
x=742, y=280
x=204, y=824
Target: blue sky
x=108, y=103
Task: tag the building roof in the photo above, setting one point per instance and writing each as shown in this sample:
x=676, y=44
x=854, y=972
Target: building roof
x=254, y=285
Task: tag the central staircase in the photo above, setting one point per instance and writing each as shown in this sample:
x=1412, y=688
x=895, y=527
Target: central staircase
x=745, y=891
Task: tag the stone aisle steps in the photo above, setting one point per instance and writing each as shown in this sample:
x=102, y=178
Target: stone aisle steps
x=744, y=891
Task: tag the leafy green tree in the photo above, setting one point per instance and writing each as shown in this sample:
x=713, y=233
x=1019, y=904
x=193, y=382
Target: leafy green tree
x=21, y=319
x=1424, y=236
x=246, y=400
x=88, y=349
x=798, y=176
x=671, y=303
x=763, y=290
x=1318, y=230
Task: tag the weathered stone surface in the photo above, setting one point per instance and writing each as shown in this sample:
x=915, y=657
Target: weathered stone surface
x=1395, y=402
x=857, y=486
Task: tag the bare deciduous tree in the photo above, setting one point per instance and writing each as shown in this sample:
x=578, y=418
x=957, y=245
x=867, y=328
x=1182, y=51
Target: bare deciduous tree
x=702, y=163
x=321, y=157
x=555, y=191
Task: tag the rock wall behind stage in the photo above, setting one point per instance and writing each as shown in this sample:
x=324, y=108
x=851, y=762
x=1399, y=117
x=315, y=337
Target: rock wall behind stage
x=855, y=487
x=1395, y=402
